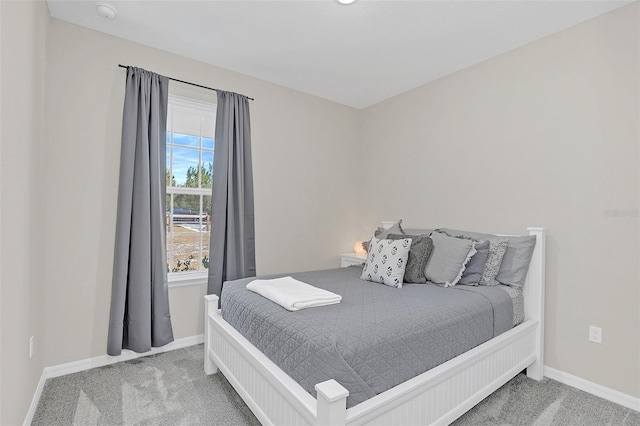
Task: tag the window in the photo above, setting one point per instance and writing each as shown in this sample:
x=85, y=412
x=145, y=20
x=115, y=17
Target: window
x=190, y=150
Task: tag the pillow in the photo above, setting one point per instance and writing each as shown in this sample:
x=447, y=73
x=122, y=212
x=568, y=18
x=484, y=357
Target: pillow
x=515, y=264
x=497, y=249
x=382, y=233
x=426, y=232
x=386, y=261
x=473, y=272
x=448, y=259
x=396, y=228
x=421, y=246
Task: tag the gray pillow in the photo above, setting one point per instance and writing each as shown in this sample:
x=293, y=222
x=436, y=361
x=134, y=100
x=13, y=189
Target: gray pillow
x=396, y=228
x=382, y=233
x=426, y=232
x=448, y=259
x=421, y=247
x=473, y=272
x=515, y=263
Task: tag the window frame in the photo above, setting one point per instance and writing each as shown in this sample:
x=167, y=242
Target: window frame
x=199, y=277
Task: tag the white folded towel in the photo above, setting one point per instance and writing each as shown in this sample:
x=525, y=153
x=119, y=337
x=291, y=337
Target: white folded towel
x=292, y=294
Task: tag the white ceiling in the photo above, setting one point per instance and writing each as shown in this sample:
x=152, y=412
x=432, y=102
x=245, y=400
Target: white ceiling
x=357, y=55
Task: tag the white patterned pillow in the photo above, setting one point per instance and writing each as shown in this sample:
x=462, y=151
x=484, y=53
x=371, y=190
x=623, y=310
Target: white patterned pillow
x=386, y=261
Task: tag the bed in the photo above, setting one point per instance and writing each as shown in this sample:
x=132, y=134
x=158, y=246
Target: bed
x=436, y=396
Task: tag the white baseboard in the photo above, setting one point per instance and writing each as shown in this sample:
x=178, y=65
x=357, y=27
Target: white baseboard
x=593, y=388
x=35, y=400
x=100, y=361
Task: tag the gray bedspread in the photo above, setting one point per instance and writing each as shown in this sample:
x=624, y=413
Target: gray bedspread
x=376, y=338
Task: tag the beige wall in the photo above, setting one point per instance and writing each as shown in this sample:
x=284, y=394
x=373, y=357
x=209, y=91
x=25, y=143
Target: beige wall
x=303, y=150
x=23, y=26
x=546, y=135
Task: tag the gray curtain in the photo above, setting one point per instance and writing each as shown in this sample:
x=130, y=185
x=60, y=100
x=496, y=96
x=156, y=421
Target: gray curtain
x=139, y=296
x=232, y=246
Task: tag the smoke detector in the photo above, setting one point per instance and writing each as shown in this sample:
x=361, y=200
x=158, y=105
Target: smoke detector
x=106, y=11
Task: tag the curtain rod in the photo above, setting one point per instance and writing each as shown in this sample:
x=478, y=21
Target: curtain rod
x=187, y=82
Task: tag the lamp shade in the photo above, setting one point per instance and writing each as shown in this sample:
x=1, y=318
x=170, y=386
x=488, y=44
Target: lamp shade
x=358, y=248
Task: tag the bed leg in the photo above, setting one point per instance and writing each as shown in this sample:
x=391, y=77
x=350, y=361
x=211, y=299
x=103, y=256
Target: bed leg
x=210, y=308
x=209, y=366
x=332, y=403
x=535, y=371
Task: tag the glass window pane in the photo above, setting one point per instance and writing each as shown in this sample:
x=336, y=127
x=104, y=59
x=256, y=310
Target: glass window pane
x=190, y=154
x=186, y=249
x=169, y=181
x=205, y=251
x=207, y=143
x=206, y=204
x=169, y=254
x=186, y=208
x=207, y=157
x=185, y=240
x=186, y=140
x=185, y=167
x=168, y=210
x=207, y=168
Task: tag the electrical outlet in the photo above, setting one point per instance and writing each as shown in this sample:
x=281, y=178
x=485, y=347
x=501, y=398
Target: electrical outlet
x=595, y=334
x=31, y=347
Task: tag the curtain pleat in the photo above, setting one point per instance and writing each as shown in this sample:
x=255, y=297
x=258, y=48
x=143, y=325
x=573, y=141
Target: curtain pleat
x=140, y=316
x=232, y=245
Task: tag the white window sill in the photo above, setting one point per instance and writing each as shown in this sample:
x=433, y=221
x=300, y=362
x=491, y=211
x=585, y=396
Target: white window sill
x=181, y=279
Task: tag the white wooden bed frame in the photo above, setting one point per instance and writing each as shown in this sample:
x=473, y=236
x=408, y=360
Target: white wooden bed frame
x=438, y=396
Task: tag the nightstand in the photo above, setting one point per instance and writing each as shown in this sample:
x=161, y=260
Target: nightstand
x=350, y=259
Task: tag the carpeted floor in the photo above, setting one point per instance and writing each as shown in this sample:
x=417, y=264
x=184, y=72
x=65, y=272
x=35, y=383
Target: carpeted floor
x=523, y=401
x=164, y=389
x=172, y=389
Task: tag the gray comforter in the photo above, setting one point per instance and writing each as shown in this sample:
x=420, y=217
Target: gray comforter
x=376, y=338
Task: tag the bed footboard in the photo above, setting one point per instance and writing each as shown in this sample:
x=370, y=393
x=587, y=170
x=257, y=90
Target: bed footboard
x=444, y=393
x=438, y=396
